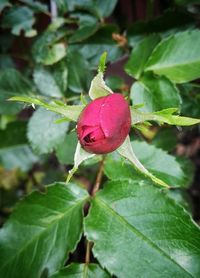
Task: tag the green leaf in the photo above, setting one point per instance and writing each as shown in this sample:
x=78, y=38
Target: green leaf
x=4, y=4
x=140, y=55
x=71, y=112
x=88, y=25
x=177, y=57
x=43, y=134
x=137, y=230
x=12, y=82
x=6, y=62
x=181, y=197
x=79, y=74
x=66, y=150
x=190, y=100
x=98, y=87
x=125, y=150
x=76, y=270
x=46, y=225
x=160, y=163
x=101, y=41
x=165, y=139
x=115, y=82
x=170, y=22
x=14, y=149
x=19, y=18
x=48, y=49
x=155, y=94
x=163, y=116
x=46, y=82
x=60, y=74
x=36, y=6
x=93, y=6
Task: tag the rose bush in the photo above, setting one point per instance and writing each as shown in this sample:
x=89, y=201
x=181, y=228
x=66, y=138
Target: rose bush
x=104, y=124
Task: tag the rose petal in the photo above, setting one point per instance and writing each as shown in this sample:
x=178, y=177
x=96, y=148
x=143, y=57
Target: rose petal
x=114, y=114
x=90, y=114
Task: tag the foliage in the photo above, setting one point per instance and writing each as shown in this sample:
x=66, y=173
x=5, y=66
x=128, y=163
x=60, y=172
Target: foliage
x=55, y=58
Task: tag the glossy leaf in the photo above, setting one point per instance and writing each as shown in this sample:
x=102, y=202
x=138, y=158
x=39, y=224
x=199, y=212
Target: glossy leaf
x=137, y=230
x=155, y=94
x=163, y=116
x=71, y=112
x=46, y=225
x=14, y=149
x=177, y=57
x=140, y=54
x=20, y=18
x=12, y=82
x=75, y=270
x=43, y=133
x=46, y=82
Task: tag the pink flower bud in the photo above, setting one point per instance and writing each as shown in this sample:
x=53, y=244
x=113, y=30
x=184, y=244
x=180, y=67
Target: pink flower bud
x=104, y=124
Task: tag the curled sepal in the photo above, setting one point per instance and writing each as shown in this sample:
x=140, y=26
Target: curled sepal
x=79, y=156
x=126, y=151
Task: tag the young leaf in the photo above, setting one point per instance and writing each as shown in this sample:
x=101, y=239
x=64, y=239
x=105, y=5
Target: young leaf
x=71, y=112
x=76, y=270
x=43, y=134
x=51, y=225
x=177, y=57
x=102, y=62
x=137, y=230
x=163, y=116
x=126, y=151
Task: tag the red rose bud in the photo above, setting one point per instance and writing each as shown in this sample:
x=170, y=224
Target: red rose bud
x=104, y=124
